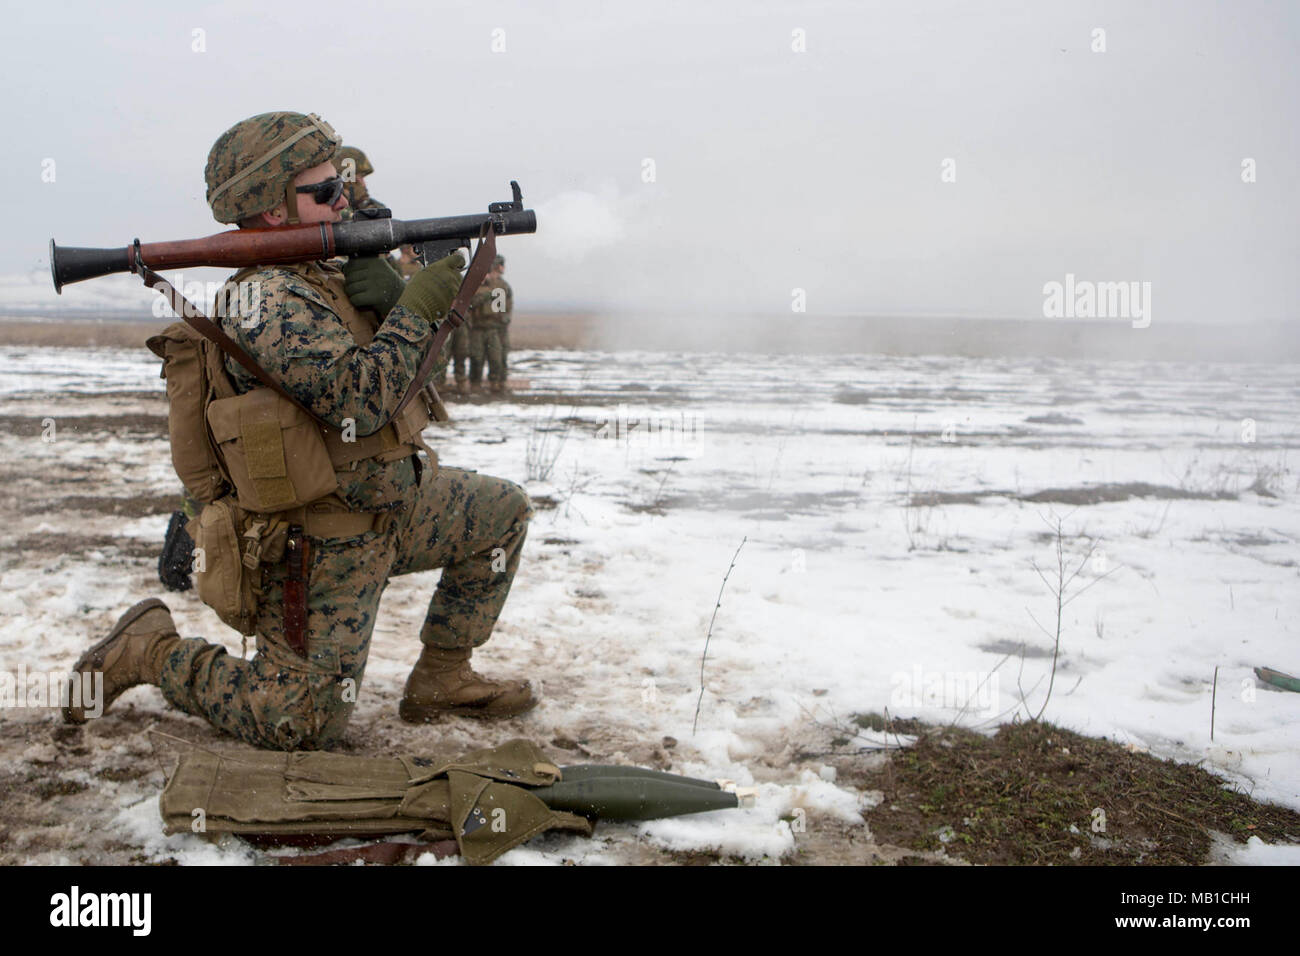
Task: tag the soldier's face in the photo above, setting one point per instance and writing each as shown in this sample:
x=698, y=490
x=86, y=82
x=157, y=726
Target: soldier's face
x=309, y=210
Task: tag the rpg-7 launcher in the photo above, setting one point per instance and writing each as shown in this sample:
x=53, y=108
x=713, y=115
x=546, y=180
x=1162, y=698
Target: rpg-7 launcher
x=373, y=232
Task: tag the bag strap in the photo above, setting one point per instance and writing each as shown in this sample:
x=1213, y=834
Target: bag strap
x=210, y=330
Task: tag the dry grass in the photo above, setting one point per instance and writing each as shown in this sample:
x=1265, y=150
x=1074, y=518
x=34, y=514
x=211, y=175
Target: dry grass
x=1037, y=794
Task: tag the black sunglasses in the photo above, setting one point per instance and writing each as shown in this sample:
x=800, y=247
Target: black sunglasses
x=326, y=192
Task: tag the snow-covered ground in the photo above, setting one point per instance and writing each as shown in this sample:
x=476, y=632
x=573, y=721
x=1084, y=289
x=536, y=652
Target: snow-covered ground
x=859, y=586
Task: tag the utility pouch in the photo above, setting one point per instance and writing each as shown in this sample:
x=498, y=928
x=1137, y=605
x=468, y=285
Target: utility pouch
x=273, y=450
x=230, y=549
x=219, y=574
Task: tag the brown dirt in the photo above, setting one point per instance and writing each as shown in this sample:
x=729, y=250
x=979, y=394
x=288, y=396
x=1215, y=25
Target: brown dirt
x=81, y=543
x=31, y=426
x=1087, y=495
x=1032, y=793
x=527, y=331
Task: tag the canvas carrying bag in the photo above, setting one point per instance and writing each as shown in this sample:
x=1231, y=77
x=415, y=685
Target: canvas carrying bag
x=194, y=377
x=480, y=799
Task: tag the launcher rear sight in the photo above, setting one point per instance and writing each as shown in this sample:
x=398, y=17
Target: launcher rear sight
x=428, y=252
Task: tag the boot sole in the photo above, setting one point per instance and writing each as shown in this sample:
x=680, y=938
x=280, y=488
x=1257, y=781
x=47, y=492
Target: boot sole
x=425, y=714
x=93, y=658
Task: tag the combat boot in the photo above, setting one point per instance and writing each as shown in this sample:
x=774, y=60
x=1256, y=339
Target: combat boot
x=462, y=387
x=132, y=654
x=442, y=683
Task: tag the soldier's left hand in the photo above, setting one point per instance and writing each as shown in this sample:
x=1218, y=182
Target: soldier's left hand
x=372, y=283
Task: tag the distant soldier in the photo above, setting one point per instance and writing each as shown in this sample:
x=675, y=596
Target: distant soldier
x=508, y=302
x=457, y=352
x=479, y=323
x=491, y=309
x=354, y=167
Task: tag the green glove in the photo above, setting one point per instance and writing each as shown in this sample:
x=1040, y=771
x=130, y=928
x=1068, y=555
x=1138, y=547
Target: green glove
x=429, y=293
x=371, y=283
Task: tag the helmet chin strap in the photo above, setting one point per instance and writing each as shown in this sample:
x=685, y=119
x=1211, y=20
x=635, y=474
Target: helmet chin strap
x=290, y=205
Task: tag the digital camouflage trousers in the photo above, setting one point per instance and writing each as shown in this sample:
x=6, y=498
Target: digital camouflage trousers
x=455, y=352
x=490, y=343
x=472, y=526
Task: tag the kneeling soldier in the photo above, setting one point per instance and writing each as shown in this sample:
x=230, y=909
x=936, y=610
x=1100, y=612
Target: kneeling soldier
x=320, y=514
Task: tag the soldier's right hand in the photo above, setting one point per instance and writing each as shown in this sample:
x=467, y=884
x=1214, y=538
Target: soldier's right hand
x=429, y=293
x=372, y=283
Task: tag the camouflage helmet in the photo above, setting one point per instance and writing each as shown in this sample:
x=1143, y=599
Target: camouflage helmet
x=353, y=167
x=252, y=165
x=360, y=165
x=499, y=261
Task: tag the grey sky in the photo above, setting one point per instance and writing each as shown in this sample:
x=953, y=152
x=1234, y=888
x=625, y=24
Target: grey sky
x=775, y=169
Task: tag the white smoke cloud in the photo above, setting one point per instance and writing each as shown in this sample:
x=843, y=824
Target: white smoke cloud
x=579, y=222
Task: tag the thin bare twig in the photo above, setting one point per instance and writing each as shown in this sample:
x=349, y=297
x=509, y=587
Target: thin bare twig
x=1058, y=590
x=696, y=722
x=1214, y=695
x=1059, y=593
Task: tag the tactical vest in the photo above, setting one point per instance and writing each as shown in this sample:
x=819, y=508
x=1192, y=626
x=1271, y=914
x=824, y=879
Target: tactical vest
x=259, y=462
x=270, y=452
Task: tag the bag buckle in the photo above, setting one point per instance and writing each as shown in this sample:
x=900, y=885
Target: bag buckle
x=253, y=545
